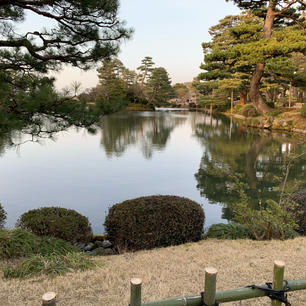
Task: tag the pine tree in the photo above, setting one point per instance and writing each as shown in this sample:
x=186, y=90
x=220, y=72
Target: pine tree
x=146, y=69
x=275, y=13
x=159, y=86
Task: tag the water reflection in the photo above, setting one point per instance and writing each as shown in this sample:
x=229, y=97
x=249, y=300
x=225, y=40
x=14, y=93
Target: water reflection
x=150, y=131
x=195, y=156
x=256, y=158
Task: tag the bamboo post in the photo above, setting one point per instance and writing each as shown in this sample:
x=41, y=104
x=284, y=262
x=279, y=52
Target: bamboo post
x=278, y=279
x=210, y=286
x=49, y=299
x=135, y=292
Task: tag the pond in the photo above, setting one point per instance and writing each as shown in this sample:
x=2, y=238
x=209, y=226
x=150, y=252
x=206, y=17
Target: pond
x=134, y=154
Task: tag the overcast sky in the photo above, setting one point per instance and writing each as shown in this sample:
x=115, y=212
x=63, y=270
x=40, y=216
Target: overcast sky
x=170, y=31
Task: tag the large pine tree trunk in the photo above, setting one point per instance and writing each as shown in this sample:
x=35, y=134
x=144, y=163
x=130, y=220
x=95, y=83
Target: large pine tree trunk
x=255, y=94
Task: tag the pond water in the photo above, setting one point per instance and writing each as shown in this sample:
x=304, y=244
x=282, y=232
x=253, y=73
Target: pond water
x=144, y=153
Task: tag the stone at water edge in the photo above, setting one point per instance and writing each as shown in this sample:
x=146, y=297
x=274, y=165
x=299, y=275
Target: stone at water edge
x=98, y=244
x=107, y=244
x=89, y=246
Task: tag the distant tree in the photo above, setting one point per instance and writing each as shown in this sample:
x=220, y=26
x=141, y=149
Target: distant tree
x=181, y=90
x=159, y=86
x=275, y=13
x=112, y=94
x=145, y=69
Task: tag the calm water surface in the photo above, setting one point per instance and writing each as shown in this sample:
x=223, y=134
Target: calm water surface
x=135, y=154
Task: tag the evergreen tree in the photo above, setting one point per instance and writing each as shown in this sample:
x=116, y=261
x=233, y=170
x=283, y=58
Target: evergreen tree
x=84, y=32
x=146, y=69
x=112, y=88
x=159, y=86
x=223, y=73
x=181, y=91
x=275, y=13
x=80, y=34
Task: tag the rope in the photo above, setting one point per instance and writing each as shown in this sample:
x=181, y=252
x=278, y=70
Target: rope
x=274, y=295
x=203, y=303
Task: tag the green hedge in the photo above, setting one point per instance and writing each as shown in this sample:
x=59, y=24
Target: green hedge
x=154, y=221
x=66, y=224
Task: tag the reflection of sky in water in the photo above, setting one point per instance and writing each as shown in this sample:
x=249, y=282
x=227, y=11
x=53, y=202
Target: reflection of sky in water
x=74, y=172
x=78, y=171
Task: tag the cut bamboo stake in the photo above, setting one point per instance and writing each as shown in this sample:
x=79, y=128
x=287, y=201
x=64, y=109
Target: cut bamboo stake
x=278, y=279
x=210, y=286
x=49, y=299
x=226, y=296
x=135, y=292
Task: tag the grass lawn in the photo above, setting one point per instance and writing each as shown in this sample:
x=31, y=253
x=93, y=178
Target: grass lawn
x=167, y=272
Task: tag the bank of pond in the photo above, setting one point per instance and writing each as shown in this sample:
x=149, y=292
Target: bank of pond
x=55, y=240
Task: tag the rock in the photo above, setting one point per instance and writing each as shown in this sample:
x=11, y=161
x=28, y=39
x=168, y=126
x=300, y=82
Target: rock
x=89, y=246
x=106, y=244
x=98, y=244
x=268, y=122
x=102, y=252
x=97, y=252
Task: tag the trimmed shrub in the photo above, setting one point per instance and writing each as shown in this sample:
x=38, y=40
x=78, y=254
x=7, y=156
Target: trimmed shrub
x=154, y=221
x=2, y=216
x=228, y=231
x=299, y=210
x=66, y=224
x=303, y=110
x=21, y=243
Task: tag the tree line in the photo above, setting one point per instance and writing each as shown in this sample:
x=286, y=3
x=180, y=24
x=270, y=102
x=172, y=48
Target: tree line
x=118, y=85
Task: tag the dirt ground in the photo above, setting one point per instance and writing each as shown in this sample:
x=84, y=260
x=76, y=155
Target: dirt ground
x=167, y=272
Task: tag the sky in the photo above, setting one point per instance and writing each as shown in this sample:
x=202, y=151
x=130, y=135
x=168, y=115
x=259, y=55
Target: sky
x=170, y=31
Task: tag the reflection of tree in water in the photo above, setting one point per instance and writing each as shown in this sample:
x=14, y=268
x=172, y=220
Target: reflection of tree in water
x=14, y=133
x=150, y=130
x=256, y=158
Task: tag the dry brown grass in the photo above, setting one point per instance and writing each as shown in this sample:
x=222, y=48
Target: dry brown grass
x=167, y=272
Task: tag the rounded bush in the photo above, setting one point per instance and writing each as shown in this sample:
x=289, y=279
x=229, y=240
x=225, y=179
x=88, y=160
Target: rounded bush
x=2, y=216
x=66, y=224
x=299, y=210
x=154, y=221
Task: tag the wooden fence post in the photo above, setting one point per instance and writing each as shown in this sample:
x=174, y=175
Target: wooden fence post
x=49, y=299
x=135, y=299
x=210, y=286
x=278, y=279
